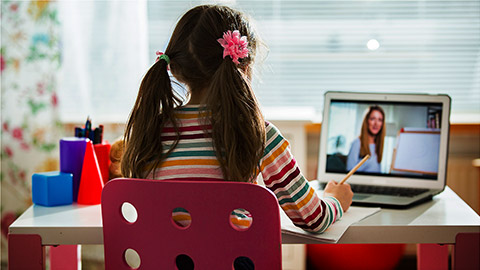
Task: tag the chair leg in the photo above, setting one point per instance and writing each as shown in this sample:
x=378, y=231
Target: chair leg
x=66, y=257
x=432, y=256
x=466, y=253
x=25, y=251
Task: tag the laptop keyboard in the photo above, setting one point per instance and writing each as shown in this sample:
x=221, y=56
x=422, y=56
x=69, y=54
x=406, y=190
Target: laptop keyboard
x=392, y=191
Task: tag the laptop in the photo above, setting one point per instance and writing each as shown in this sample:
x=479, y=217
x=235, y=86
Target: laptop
x=406, y=136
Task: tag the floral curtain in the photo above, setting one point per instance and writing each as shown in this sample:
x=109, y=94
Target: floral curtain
x=30, y=130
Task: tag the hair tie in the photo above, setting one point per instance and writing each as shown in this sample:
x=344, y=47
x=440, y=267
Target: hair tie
x=234, y=45
x=162, y=56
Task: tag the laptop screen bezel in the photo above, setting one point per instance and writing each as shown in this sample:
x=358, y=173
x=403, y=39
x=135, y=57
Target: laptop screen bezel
x=387, y=180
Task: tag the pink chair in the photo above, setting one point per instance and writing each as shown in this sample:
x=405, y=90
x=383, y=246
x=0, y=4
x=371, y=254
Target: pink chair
x=210, y=241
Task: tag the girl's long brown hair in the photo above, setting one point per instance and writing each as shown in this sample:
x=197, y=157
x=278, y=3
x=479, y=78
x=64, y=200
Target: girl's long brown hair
x=238, y=127
x=379, y=138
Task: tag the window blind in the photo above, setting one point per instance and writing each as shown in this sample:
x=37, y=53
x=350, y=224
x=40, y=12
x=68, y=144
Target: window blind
x=315, y=46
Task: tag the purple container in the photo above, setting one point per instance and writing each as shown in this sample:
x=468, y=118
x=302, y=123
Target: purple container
x=72, y=151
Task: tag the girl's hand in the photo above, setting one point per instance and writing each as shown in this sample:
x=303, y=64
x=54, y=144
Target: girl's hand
x=343, y=193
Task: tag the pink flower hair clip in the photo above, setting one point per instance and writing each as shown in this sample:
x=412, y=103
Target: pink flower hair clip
x=234, y=45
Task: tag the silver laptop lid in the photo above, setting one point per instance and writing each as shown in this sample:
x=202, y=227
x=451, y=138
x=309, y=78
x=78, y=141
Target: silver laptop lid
x=413, y=129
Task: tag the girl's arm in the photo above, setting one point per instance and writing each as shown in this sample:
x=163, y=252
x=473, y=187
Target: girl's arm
x=297, y=198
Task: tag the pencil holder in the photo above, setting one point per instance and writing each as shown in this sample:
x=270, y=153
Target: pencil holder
x=72, y=151
x=52, y=188
x=102, y=151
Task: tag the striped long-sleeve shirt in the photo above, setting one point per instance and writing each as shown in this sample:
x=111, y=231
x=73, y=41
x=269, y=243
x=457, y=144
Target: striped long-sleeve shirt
x=194, y=159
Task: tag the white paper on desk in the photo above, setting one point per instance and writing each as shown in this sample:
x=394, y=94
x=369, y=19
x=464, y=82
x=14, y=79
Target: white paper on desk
x=335, y=231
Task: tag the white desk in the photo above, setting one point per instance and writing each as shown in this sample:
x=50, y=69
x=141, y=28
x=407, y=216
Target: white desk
x=439, y=221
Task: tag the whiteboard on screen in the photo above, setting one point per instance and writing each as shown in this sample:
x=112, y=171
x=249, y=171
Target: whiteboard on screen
x=417, y=152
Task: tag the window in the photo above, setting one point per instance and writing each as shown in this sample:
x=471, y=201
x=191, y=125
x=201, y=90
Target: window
x=314, y=46
x=105, y=54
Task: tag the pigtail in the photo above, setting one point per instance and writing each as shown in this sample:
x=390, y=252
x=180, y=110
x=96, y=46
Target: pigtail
x=238, y=127
x=153, y=108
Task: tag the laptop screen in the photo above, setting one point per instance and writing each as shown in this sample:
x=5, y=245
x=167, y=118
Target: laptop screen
x=405, y=136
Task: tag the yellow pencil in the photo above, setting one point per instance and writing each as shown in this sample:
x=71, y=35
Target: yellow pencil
x=354, y=169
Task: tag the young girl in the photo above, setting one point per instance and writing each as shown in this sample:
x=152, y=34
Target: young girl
x=220, y=134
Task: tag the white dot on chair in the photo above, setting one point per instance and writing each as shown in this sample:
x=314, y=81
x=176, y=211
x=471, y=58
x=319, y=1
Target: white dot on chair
x=129, y=212
x=132, y=258
x=240, y=219
x=181, y=218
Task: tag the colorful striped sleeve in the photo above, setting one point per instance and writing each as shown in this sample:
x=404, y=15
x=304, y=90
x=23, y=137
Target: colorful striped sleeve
x=297, y=198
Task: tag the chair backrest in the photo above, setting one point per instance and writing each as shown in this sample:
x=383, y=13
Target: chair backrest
x=210, y=240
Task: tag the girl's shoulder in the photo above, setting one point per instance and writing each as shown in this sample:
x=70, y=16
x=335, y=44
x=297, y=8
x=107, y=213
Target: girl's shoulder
x=273, y=133
x=271, y=129
x=274, y=138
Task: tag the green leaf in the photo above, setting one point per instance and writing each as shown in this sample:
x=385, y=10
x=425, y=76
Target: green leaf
x=35, y=107
x=48, y=147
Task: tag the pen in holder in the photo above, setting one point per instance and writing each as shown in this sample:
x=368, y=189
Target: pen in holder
x=94, y=134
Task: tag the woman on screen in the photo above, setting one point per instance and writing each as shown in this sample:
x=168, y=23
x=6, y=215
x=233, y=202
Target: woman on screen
x=370, y=141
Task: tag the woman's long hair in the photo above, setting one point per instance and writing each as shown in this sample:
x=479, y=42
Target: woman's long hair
x=379, y=138
x=238, y=127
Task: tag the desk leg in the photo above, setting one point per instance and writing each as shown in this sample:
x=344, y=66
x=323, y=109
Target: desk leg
x=432, y=256
x=65, y=257
x=25, y=251
x=466, y=253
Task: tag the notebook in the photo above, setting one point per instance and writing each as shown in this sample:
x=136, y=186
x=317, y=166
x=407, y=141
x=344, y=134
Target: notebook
x=406, y=136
